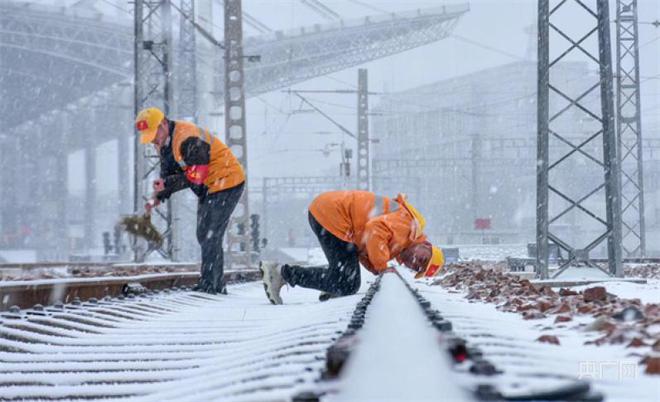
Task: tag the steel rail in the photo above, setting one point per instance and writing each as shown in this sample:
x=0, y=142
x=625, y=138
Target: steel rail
x=15, y=295
x=181, y=345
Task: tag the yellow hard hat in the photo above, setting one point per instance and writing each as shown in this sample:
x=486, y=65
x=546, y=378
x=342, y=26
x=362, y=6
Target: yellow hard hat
x=418, y=218
x=435, y=264
x=147, y=122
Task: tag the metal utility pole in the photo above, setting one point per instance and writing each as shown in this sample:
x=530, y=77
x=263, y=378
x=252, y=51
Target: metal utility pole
x=363, y=159
x=553, y=129
x=186, y=100
x=90, y=183
x=362, y=137
x=185, y=97
x=235, y=129
x=153, y=87
x=629, y=129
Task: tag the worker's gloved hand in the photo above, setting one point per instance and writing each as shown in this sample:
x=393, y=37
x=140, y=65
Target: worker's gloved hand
x=159, y=185
x=149, y=206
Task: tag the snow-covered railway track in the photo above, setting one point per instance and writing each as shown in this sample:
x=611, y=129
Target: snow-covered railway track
x=179, y=343
x=183, y=345
x=529, y=367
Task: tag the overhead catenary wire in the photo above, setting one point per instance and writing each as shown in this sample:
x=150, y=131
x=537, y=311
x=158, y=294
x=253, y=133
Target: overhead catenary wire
x=649, y=42
x=322, y=113
x=487, y=47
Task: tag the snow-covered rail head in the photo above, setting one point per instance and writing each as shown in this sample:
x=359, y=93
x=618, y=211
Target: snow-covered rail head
x=398, y=357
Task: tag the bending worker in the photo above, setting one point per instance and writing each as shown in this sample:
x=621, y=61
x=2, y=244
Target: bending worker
x=356, y=227
x=193, y=158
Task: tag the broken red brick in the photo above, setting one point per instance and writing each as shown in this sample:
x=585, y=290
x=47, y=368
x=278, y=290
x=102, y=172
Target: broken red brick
x=584, y=309
x=544, y=305
x=484, y=282
x=636, y=343
x=526, y=307
x=652, y=365
x=548, y=339
x=595, y=293
x=560, y=309
x=563, y=318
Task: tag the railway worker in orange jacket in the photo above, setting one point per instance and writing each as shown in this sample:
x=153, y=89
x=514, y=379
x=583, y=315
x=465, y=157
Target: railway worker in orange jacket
x=356, y=227
x=193, y=158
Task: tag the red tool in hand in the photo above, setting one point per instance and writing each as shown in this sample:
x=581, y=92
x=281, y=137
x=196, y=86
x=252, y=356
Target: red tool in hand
x=151, y=204
x=158, y=185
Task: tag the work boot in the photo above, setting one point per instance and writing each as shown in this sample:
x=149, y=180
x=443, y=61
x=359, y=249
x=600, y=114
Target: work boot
x=272, y=276
x=325, y=296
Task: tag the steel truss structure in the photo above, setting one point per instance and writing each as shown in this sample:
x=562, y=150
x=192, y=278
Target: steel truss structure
x=629, y=129
x=153, y=88
x=186, y=66
x=293, y=57
x=186, y=108
x=88, y=52
x=604, y=209
x=85, y=52
x=235, y=130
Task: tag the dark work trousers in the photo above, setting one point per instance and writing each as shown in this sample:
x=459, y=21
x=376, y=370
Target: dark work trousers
x=213, y=214
x=340, y=278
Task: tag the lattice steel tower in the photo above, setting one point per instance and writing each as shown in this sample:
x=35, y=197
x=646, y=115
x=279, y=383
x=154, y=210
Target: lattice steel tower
x=629, y=129
x=186, y=96
x=153, y=87
x=235, y=129
x=572, y=125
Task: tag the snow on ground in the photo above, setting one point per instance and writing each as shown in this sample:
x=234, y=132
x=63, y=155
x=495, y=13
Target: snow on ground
x=18, y=256
x=509, y=342
x=174, y=346
x=237, y=346
x=647, y=293
x=490, y=252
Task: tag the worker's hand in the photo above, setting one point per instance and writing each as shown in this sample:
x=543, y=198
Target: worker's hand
x=159, y=185
x=150, y=205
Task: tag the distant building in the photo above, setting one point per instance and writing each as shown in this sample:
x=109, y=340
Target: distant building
x=471, y=142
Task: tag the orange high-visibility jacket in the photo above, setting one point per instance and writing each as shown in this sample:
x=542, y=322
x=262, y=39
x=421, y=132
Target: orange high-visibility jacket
x=224, y=169
x=380, y=227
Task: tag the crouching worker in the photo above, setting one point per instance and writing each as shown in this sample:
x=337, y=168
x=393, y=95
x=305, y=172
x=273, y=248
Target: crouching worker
x=356, y=227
